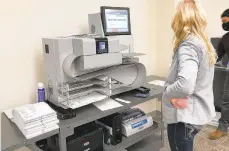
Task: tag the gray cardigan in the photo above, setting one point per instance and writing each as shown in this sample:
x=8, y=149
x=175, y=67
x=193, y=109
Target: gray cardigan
x=190, y=76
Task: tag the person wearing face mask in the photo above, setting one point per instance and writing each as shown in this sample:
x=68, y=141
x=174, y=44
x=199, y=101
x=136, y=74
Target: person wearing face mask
x=223, y=49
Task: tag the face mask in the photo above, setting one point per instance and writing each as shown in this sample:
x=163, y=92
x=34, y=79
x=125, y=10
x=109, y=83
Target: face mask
x=226, y=26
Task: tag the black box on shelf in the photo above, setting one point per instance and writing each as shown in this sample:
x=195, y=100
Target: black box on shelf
x=112, y=128
x=87, y=137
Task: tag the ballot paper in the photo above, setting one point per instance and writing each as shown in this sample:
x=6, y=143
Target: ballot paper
x=158, y=83
x=35, y=119
x=33, y=112
x=9, y=114
x=107, y=104
x=49, y=129
x=23, y=126
x=32, y=135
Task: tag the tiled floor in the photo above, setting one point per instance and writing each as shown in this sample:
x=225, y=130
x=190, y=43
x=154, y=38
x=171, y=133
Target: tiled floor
x=202, y=143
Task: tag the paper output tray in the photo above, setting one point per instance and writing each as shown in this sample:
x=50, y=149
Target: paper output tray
x=66, y=87
x=102, y=72
x=75, y=65
x=84, y=100
x=71, y=95
x=100, y=61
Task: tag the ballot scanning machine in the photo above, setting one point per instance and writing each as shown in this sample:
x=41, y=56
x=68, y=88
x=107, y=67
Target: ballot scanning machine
x=83, y=69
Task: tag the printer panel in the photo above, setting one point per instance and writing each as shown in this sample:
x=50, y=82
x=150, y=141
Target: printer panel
x=113, y=45
x=95, y=24
x=84, y=46
x=126, y=40
x=89, y=46
x=64, y=49
x=55, y=51
x=100, y=61
x=48, y=56
x=77, y=46
x=49, y=48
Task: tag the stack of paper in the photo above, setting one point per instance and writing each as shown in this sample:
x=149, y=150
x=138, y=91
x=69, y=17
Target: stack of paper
x=107, y=104
x=35, y=119
x=158, y=83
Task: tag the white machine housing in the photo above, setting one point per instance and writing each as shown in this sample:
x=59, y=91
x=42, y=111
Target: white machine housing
x=137, y=125
x=78, y=74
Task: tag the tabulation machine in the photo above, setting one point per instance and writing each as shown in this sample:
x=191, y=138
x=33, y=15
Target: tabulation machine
x=83, y=69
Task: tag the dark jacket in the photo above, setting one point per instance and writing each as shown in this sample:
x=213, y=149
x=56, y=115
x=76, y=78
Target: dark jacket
x=223, y=47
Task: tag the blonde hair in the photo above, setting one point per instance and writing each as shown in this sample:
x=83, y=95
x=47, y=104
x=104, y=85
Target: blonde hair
x=190, y=20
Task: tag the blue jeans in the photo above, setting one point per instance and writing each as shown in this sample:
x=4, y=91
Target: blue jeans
x=181, y=136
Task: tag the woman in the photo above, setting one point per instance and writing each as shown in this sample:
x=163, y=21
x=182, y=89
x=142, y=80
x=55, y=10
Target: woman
x=188, y=97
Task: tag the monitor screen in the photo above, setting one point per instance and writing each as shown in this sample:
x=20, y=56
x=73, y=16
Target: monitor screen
x=215, y=42
x=116, y=21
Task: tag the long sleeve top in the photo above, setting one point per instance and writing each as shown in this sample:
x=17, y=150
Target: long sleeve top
x=223, y=47
x=191, y=77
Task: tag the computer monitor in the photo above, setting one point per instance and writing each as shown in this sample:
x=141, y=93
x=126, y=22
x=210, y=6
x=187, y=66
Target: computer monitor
x=215, y=42
x=116, y=20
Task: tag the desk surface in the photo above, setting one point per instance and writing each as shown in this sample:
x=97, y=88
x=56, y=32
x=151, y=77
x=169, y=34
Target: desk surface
x=13, y=139
x=91, y=113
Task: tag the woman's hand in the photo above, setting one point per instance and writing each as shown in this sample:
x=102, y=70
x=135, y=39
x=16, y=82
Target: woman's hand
x=179, y=103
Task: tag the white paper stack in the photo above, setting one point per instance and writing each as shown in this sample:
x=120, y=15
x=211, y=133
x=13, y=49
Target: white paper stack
x=158, y=83
x=35, y=119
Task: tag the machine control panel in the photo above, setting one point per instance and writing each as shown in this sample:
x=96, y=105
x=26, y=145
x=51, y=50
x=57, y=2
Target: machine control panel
x=101, y=45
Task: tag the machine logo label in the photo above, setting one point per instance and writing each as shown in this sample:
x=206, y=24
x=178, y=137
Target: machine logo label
x=139, y=124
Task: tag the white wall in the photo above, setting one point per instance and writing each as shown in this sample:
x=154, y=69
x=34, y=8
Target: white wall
x=25, y=22
x=164, y=36
x=152, y=53
x=214, y=10
x=152, y=19
x=165, y=12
